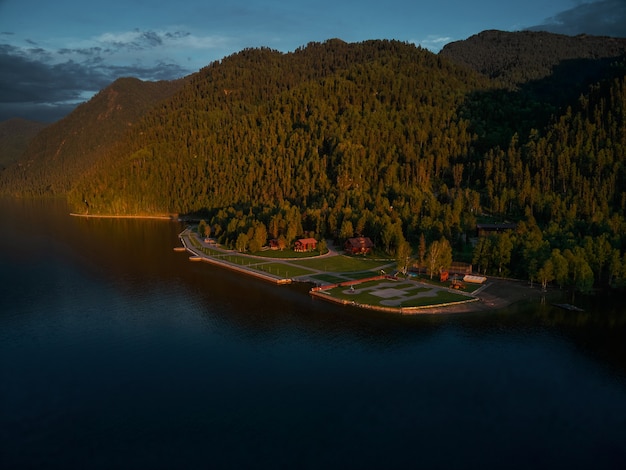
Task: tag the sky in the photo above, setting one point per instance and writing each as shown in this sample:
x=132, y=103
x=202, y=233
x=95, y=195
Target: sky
x=56, y=54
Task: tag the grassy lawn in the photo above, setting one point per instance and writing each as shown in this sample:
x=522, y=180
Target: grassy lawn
x=362, y=275
x=280, y=269
x=365, y=285
x=342, y=264
x=416, y=290
x=210, y=251
x=441, y=297
x=424, y=295
x=205, y=249
x=329, y=278
x=332, y=279
x=361, y=298
x=438, y=298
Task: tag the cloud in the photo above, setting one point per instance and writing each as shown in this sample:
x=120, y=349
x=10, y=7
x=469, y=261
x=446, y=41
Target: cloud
x=44, y=83
x=599, y=18
x=432, y=42
x=131, y=40
x=34, y=89
x=156, y=41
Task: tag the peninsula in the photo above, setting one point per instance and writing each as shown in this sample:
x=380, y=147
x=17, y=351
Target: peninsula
x=504, y=150
x=360, y=282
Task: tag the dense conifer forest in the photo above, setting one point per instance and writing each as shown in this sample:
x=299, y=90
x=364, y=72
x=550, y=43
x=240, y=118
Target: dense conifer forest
x=15, y=135
x=58, y=155
x=379, y=138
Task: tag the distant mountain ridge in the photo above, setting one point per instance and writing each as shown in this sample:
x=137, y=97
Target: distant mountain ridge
x=514, y=58
x=62, y=151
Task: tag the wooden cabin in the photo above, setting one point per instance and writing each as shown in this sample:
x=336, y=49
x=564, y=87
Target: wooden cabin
x=358, y=246
x=305, y=244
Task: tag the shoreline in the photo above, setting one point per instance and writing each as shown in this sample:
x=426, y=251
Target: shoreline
x=171, y=218
x=197, y=255
x=447, y=308
x=482, y=300
x=510, y=291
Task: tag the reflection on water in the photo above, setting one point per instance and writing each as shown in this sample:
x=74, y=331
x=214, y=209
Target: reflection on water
x=116, y=351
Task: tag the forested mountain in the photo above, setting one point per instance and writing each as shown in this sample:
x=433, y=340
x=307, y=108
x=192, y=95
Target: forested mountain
x=535, y=76
x=311, y=128
x=512, y=59
x=388, y=140
x=58, y=155
x=15, y=135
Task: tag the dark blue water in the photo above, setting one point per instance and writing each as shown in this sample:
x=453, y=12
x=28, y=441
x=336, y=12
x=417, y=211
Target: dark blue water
x=117, y=352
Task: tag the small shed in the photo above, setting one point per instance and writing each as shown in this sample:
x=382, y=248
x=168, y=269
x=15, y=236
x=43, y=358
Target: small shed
x=305, y=244
x=458, y=267
x=358, y=245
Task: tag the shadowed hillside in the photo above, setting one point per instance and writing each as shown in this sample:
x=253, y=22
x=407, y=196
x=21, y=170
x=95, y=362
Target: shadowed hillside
x=15, y=135
x=511, y=59
x=61, y=152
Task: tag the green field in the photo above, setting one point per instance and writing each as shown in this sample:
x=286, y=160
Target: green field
x=408, y=294
x=280, y=269
x=331, y=279
x=343, y=264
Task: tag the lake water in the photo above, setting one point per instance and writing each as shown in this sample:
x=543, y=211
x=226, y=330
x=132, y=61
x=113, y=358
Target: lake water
x=117, y=352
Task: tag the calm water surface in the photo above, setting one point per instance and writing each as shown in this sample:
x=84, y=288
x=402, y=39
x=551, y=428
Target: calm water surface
x=117, y=352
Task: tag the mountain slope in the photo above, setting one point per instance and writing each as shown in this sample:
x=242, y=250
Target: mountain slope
x=15, y=135
x=61, y=152
x=535, y=76
x=512, y=59
x=263, y=128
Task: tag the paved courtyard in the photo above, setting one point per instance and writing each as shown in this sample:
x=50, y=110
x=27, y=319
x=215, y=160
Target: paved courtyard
x=398, y=293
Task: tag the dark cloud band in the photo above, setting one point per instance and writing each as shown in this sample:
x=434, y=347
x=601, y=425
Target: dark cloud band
x=34, y=88
x=601, y=18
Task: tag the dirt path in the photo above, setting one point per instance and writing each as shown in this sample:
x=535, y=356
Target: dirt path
x=496, y=294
